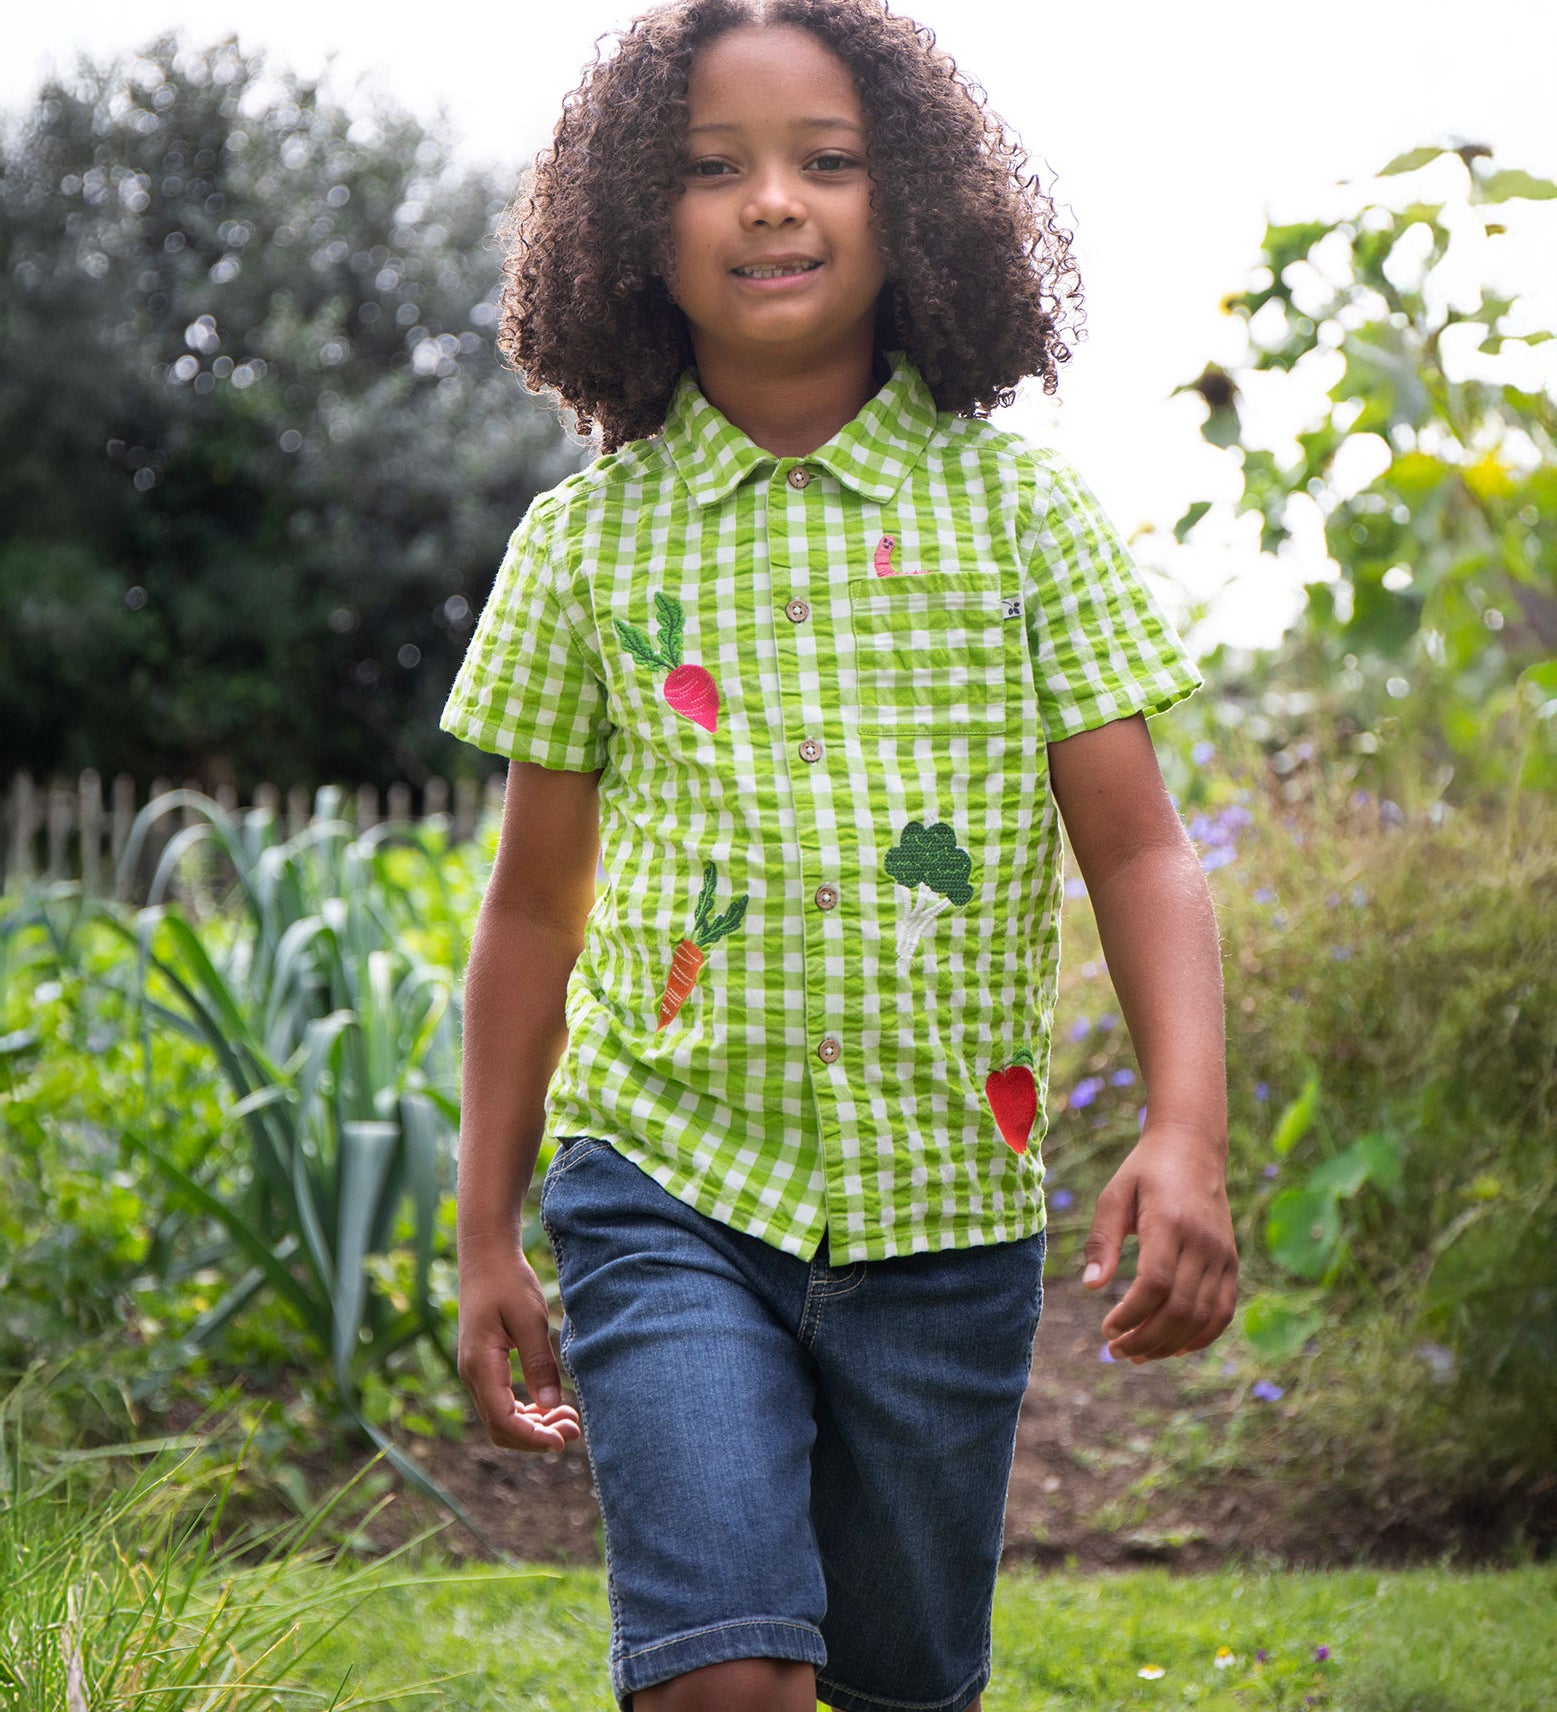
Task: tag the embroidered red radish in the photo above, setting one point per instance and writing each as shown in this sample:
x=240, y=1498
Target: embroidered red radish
x=690, y=955
x=688, y=690
x=1013, y=1098
x=883, y=559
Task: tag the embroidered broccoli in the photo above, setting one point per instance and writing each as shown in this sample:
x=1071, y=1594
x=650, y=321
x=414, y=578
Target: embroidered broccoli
x=929, y=866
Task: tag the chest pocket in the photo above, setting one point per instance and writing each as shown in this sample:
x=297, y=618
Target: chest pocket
x=938, y=653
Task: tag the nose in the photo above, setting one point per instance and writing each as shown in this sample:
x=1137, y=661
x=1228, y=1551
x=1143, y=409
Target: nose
x=775, y=200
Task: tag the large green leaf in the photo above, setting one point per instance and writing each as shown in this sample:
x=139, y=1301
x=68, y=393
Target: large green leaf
x=1303, y=1232
x=1277, y=1327
x=366, y=1152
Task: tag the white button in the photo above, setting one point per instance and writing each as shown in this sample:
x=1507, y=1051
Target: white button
x=797, y=612
x=800, y=476
x=829, y=1050
x=810, y=750
x=826, y=897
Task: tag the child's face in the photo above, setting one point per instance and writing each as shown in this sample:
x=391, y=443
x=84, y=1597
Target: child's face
x=776, y=178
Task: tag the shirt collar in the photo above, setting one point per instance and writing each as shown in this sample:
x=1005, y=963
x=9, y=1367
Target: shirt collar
x=873, y=454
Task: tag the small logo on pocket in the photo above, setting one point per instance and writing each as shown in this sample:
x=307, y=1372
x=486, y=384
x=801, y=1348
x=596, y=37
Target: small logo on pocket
x=1011, y=606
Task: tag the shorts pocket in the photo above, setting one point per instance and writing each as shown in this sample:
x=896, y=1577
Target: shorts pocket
x=938, y=654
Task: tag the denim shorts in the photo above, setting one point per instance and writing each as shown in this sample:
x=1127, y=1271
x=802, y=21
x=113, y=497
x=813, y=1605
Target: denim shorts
x=793, y=1460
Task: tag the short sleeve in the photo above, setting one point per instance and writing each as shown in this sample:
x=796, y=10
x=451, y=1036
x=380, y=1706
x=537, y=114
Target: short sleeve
x=1103, y=648
x=526, y=690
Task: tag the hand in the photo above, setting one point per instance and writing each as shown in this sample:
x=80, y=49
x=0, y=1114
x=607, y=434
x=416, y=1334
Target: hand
x=1172, y=1192
x=503, y=1308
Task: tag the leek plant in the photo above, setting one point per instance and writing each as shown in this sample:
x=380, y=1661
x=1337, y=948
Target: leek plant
x=339, y=1046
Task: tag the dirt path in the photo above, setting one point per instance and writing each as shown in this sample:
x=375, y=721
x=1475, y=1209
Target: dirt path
x=1085, y=1445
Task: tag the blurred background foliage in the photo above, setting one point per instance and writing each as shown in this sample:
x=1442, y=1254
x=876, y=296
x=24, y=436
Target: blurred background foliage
x=1432, y=469
x=258, y=459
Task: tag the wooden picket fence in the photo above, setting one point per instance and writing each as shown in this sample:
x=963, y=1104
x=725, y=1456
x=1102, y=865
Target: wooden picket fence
x=76, y=830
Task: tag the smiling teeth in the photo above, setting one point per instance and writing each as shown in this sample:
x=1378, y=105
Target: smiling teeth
x=777, y=272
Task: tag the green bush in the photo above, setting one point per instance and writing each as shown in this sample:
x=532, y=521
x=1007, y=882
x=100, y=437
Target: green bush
x=1392, y=1052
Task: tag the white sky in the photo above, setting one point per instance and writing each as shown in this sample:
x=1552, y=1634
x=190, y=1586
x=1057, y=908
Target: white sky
x=1170, y=132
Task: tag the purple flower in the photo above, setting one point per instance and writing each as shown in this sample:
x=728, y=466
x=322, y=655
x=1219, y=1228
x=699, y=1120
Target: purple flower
x=1089, y=971
x=1228, y=1369
x=1080, y=1028
x=1266, y=1392
x=1106, y=1022
x=1359, y=897
x=1122, y=1078
x=1218, y=857
x=1060, y=1199
x=1265, y=896
x=1271, y=1170
x=1439, y=1359
x=1202, y=752
x=1340, y=953
x=1262, y=1657
x=1390, y=813
x=1332, y=900
x=1262, y=1092
x=1075, y=888
x=1321, y=1654
x=1360, y=799
x=1085, y=1092
x=1105, y=1354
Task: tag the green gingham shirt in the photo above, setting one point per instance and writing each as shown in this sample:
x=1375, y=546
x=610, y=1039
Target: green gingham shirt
x=817, y=985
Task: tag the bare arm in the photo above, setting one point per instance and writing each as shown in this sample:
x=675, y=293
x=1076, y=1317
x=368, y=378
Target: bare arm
x=528, y=936
x=1159, y=935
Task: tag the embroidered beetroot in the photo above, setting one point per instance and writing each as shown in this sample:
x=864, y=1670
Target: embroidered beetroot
x=1013, y=1098
x=691, y=954
x=688, y=690
x=928, y=865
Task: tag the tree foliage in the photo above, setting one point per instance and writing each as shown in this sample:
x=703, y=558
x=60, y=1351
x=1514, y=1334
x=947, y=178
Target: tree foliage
x=257, y=456
x=1441, y=622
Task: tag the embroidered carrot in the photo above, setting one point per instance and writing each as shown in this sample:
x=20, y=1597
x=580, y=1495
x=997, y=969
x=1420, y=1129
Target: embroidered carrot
x=1013, y=1098
x=929, y=866
x=689, y=690
x=690, y=955
x=883, y=559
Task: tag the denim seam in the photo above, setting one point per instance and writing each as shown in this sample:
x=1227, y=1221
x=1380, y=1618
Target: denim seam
x=719, y=1628
x=819, y=1291
x=583, y=1421
x=954, y=1702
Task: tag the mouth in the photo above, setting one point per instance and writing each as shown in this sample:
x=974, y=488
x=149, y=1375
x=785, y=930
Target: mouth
x=776, y=270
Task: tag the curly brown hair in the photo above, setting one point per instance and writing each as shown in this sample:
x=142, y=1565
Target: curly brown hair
x=981, y=285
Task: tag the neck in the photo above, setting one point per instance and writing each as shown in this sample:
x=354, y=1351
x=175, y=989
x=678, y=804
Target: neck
x=787, y=410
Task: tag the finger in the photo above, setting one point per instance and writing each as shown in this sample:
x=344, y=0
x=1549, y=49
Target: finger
x=1224, y=1304
x=1154, y=1279
x=541, y=1377
x=1110, y=1226
x=528, y=1430
x=1202, y=1313
x=1158, y=1321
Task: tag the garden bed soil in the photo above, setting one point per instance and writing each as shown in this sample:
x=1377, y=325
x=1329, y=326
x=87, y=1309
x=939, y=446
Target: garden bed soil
x=1093, y=1485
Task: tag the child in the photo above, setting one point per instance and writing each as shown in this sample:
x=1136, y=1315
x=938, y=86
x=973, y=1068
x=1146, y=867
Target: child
x=815, y=654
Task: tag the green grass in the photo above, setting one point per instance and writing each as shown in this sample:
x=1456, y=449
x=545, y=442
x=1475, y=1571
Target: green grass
x=1421, y=1641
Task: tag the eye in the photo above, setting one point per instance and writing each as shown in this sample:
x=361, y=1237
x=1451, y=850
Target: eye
x=833, y=163
x=707, y=168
